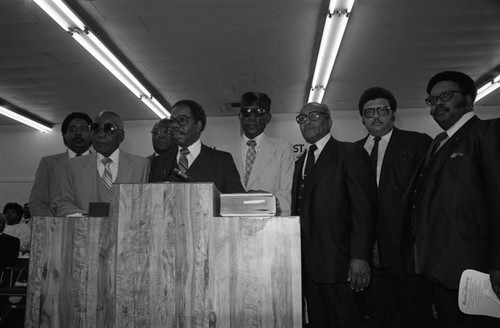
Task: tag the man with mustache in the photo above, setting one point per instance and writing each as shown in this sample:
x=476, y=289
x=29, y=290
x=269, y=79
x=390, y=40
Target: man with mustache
x=192, y=160
x=394, y=155
x=452, y=208
x=161, y=137
x=76, y=137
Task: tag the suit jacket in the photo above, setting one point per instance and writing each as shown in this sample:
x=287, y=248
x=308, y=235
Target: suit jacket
x=46, y=184
x=272, y=170
x=10, y=250
x=210, y=166
x=453, y=207
x=337, y=210
x=403, y=153
x=79, y=180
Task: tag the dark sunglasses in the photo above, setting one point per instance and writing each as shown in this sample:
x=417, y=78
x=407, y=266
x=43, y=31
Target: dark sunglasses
x=381, y=111
x=257, y=112
x=161, y=131
x=312, y=116
x=108, y=128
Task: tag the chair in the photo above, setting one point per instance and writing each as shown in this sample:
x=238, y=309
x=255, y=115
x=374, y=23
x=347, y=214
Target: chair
x=13, y=296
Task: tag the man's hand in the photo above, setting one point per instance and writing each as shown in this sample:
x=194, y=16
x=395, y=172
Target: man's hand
x=495, y=281
x=358, y=274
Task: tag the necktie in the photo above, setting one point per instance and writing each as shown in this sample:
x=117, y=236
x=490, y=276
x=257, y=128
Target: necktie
x=434, y=147
x=107, y=177
x=183, y=161
x=250, y=159
x=310, y=160
x=374, y=154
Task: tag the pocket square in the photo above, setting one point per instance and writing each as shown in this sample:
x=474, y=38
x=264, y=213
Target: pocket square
x=456, y=154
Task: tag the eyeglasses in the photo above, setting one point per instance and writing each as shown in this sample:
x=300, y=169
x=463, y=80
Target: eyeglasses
x=257, y=112
x=443, y=96
x=161, y=131
x=381, y=111
x=312, y=116
x=108, y=128
x=181, y=120
x=78, y=129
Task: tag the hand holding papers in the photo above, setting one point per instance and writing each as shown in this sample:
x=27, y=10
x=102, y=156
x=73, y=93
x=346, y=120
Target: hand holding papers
x=475, y=295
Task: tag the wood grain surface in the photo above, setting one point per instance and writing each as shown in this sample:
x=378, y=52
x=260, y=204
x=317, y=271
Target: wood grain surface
x=162, y=259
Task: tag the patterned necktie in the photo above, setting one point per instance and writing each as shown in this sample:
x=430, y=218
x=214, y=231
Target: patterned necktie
x=107, y=177
x=374, y=154
x=434, y=147
x=310, y=161
x=183, y=161
x=251, y=153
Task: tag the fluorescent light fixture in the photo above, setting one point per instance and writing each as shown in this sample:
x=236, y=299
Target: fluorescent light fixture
x=65, y=17
x=488, y=88
x=333, y=32
x=23, y=119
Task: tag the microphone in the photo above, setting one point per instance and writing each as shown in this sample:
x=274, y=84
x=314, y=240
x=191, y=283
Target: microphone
x=183, y=175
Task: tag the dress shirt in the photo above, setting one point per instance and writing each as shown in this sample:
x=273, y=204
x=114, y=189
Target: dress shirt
x=72, y=154
x=194, y=151
x=113, y=166
x=382, y=147
x=244, y=147
x=455, y=127
x=320, y=144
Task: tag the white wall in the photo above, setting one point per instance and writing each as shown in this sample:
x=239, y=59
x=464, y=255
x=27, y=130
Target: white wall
x=22, y=147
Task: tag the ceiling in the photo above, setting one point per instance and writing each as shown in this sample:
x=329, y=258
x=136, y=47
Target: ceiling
x=213, y=51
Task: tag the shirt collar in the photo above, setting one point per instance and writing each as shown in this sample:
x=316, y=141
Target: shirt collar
x=114, y=156
x=385, y=137
x=455, y=127
x=72, y=154
x=257, y=139
x=322, y=142
x=194, y=149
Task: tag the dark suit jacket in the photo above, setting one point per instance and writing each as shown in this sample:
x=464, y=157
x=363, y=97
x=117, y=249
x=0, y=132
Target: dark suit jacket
x=9, y=247
x=337, y=210
x=210, y=166
x=453, y=206
x=403, y=153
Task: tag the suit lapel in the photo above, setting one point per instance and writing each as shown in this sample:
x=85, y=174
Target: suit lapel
x=195, y=168
x=326, y=159
x=124, y=168
x=264, y=154
x=89, y=177
x=391, y=153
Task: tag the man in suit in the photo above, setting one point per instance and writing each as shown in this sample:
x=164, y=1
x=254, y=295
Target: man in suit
x=191, y=160
x=9, y=246
x=334, y=193
x=394, y=155
x=161, y=137
x=452, y=217
x=265, y=164
x=89, y=178
x=76, y=137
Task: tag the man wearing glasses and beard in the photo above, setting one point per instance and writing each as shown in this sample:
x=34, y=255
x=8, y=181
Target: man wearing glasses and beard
x=89, y=178
x=191, y=160
x=265, y=164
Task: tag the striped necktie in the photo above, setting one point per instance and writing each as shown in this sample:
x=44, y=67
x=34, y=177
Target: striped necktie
x=183, y=161
x=107, y=177
x=251, y=153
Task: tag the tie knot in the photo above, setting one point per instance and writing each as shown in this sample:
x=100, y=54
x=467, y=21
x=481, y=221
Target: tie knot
x=442, y=136
x=185, y=151
x=313, y=148
x=251, y=143
x=106, y=161
x=377, y=139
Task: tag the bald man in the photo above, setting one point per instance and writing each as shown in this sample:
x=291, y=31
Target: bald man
x=89, y=178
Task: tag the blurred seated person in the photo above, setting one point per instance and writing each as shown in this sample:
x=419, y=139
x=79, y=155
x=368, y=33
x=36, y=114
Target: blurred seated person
x=9, y=246
x=14, y=227
x=26, y=215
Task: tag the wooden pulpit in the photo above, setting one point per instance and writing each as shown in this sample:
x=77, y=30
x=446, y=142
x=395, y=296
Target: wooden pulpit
x=163, y=258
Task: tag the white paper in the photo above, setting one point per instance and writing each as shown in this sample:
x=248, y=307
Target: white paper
x=475, y=295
